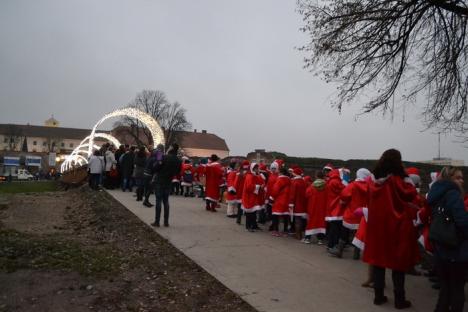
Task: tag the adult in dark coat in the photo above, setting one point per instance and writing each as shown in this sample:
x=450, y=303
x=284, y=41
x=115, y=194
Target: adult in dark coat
x=127, y=162
x=451, y=263
x=165, y=170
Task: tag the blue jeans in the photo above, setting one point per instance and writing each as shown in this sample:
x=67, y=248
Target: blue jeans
x=127, y=184
x=162, y=197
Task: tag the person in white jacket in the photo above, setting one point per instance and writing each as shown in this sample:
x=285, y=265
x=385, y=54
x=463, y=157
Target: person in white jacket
x=95, y=169
x=109, y=160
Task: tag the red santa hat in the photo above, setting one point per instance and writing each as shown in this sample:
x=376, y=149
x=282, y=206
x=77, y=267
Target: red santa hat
x=280, y=162
x=296, y=170
x=245, y=164
x=262, y=167
x=413, y=174
x=328, y=167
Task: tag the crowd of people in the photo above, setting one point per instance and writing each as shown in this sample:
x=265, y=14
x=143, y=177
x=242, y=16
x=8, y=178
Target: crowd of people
x=382, y=213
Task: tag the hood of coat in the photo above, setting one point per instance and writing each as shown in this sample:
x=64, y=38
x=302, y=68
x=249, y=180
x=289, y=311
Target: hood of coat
x=334, y=174
x=438, y=190
x=252, y=166
x=319, y=184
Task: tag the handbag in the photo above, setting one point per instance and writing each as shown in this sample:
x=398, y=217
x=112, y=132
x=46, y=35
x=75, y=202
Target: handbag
x=443, y=230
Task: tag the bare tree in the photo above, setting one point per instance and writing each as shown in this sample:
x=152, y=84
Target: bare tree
x=174, y=122
x=387, y=50
x=171, y=117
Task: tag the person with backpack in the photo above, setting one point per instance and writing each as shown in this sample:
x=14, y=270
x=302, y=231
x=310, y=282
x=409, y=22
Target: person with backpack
x=451, y=257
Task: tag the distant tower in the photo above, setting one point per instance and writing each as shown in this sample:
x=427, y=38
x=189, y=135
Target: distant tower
x=51, y=122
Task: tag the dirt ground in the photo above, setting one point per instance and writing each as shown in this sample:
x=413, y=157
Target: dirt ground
x=80, y=250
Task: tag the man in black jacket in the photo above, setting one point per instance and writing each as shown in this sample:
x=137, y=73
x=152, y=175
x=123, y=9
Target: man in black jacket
x=166, y=169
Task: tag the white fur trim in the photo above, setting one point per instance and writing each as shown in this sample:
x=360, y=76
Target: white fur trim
x=253, y=209
x=408, y=180
x=234, y=201
x=211, y=199
x=231, y=189
x=315, y=231
x=175, y=180
x=291, y=205
x=300, y=214
x=186, y=184
x=358, y=243
x=418, y=219
x=257, y=189
x=365, y=211
x=280, y=213
x=350, y=226
x=333, y=218
x=421, y=241
x=271, y=198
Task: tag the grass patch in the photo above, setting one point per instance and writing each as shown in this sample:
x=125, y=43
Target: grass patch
x=24, y=251
x=28, y=187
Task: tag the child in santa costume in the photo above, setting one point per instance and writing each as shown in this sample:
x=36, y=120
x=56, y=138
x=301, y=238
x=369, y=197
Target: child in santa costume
x=262, y=214
x=239, y=187
x=214, y=179
x=316, y=196
x=187, y=177
x=334, y=214
x=390, y=241
x=279, y=197
x=353, y=196
x=271, y=180
x=250, y=197
x=231, y=199
x=297, y=201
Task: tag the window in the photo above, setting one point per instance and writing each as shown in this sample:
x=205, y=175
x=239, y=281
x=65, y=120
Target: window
x=62, y=145
x=34, y=143
x=71, y=145
x=44, y=143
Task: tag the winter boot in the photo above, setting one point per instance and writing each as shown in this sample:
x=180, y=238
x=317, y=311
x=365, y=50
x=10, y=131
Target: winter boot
x=379, y=298
x=337, y=251
x=400, y=301
x=356, y=253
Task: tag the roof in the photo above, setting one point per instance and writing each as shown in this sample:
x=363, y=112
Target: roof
x=202, y=140
x=45, y=132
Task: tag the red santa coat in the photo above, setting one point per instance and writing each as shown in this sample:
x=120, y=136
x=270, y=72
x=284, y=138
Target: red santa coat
x=280, y=195
x=272, y=177
x=250, y=195
x=335, y=208
x=231, y=189
x=297, y=200
x=391, y=238
x=184, y=170
x=239, y=186
x=359, y=239
x=316, y=196
x=262, y=199
x=353, y=196
x=214, y=178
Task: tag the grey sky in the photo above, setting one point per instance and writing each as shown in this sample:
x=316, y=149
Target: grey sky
x=231, y=64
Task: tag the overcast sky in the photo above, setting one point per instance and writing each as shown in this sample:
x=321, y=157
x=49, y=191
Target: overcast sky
x=232, y=64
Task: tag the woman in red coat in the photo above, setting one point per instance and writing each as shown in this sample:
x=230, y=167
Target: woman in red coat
x=297, y=201
x=391, y=238
x=250, y=197
x=231, y=199
x=316, y=197
x=214, y=178
x=280, y=197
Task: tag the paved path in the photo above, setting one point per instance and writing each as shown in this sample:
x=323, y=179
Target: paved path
x=272, y=274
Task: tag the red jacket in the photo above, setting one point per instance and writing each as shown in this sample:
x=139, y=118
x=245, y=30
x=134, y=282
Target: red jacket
x=280, y=195
x=214, y=178
x=297, y=199
x=391, y=238
x=239, y=185
x=272, y=177
x=250, y=195
x=231, y=189
x=316, y=196
x=185, y=171
x=334, y=187
x=353, y=196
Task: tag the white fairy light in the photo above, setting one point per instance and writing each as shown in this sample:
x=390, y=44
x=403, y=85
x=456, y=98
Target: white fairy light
x=75, y=158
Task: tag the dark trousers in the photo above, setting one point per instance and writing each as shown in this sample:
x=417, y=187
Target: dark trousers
x=147, y=187
x=275, y=220
x=337, y=231
x=162, y=197
x=176, y=188
x=250, y=220
x=452, y=277
x=239, y=213
x=397, y=277
x=139, y=182
x=94, y=179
